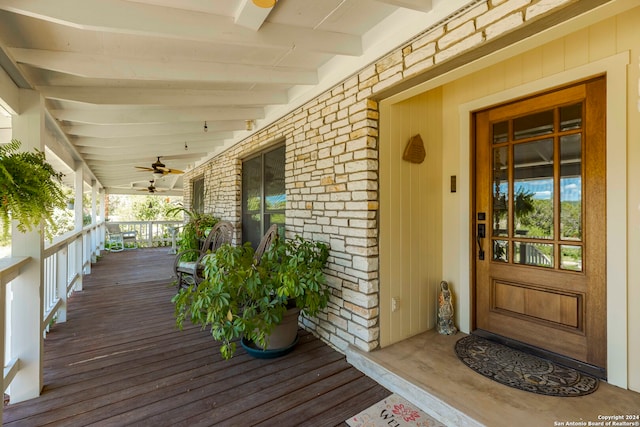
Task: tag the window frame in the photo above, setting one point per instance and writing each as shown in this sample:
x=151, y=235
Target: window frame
x=263, y=210
x=197, y=194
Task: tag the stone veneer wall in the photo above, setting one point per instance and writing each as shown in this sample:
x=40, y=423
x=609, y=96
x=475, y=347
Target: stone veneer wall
x=332, y=163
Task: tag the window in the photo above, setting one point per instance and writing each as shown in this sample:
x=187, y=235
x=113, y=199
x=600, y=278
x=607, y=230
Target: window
x=263, y=194
x=197, y=195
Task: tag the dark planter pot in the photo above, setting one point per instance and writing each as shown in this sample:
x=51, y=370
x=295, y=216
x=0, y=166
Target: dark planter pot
x=282, y=340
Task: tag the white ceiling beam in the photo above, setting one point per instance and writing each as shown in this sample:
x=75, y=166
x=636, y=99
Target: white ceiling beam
x=124, y=171
x=105, y=117
x=109, y=67
x=159, y=140
x=158, y=150
x=251, y=16
x=141, y=157
x=124, y=131
x=114, y=189
x=124, y=17
x=419, y=5
x=150, y=153
x=170, y=97
x=10, y=99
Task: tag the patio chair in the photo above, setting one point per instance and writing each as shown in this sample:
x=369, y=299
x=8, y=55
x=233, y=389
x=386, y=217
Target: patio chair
x=114, y=240
x=188, y=272
x=121, y=239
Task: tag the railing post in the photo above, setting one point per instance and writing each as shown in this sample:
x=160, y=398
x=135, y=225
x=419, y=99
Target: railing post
x=150, y=234
x=79, y=261
x=86, y=252
x=62, y=278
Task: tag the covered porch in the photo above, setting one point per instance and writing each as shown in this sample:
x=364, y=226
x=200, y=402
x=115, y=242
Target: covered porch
x=119, y=360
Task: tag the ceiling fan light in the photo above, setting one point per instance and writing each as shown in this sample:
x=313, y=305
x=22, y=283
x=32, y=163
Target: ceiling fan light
x=265, y=3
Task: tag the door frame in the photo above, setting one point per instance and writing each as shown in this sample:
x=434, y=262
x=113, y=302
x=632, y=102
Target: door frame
x=614, y=68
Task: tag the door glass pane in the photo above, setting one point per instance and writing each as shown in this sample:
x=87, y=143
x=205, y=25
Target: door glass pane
x=500, y=132
x=533, y=125
x=571, y=257
x=571, y=117
x=571, y=187
x=533, y=189
x=500, y=191
x=538, y=254
x=501, y=250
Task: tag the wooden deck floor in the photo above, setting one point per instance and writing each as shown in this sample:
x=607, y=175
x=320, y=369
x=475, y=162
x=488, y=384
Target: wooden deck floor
x=119, y=360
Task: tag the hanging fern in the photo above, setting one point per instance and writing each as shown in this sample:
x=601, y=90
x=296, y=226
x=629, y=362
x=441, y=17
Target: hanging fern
x=30, y=189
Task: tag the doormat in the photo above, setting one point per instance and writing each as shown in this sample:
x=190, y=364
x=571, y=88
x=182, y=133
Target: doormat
x=393, y=411
x=523, y=371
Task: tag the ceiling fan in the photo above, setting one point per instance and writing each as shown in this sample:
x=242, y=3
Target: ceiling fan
x=159, y=169
x=151, y=188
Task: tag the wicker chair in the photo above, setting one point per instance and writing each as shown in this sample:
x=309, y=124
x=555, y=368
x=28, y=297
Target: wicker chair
x=190, y=272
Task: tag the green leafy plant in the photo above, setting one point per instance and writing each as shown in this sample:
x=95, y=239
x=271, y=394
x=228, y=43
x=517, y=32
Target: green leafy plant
x=194, y=230
x=241, y=297
x=30, y=189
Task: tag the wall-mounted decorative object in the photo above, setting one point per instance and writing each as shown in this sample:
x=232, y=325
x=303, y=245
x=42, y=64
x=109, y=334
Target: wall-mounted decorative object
x=414, y=152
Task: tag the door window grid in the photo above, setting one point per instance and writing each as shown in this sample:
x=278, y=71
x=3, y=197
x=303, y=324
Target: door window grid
x=545, y=210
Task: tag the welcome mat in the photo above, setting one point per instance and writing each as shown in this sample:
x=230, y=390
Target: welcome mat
x=393, y=411
x=523, y=371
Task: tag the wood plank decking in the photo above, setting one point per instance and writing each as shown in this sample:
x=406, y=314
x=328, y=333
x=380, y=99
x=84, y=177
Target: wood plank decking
x=119, y=360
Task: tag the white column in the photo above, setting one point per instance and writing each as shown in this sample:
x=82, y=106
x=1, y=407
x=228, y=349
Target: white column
x=27, y=311
x=77, y=206
x=94, y=220
x=100, y=217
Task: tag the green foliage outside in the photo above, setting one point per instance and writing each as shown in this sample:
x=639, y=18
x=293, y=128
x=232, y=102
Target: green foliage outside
x=539, y=222
x=143, y=208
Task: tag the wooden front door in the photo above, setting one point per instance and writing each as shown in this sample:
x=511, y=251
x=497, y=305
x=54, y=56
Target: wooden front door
x=539, y=222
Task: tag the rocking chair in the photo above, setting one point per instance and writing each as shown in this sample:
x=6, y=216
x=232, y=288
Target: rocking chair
x=189, y=273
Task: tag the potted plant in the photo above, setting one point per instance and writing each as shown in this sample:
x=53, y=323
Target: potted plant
x=30, y=189
x=242, y=297
x=195, y=230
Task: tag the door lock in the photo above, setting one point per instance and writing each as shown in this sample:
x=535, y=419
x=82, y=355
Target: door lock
x=481, y=234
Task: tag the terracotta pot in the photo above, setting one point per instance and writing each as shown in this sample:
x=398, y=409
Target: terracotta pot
x=285, y=333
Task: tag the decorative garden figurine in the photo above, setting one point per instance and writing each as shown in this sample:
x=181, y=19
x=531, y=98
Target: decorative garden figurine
x=445, y=311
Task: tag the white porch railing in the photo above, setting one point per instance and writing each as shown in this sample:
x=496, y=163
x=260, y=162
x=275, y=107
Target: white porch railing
x=65, y=262
x=152, y=233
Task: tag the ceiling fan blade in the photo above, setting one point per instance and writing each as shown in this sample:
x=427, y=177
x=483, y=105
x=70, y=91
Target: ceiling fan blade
x=159, y=169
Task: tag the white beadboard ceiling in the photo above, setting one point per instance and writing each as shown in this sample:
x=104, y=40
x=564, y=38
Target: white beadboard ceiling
x=127, y=81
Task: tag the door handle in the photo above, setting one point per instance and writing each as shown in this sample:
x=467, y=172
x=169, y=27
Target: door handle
x=481, y=234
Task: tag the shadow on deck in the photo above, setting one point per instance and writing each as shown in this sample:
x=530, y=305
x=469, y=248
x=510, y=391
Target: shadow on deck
x=119, y=360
